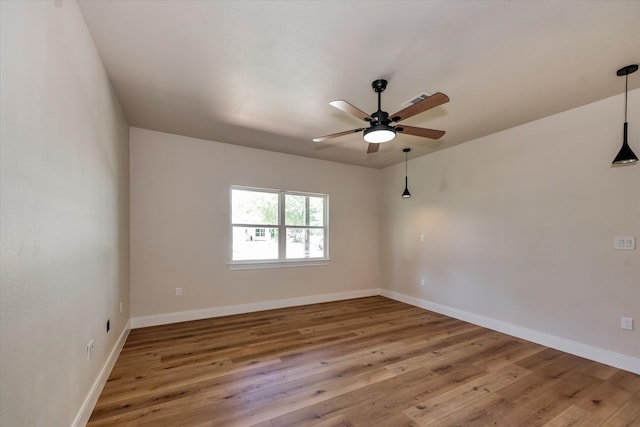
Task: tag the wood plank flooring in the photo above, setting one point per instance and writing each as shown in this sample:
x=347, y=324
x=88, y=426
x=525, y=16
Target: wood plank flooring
x=363, y=362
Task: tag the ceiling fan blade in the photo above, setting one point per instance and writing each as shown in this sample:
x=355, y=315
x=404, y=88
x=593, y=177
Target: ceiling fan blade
x=423, y=132
x=419, y=107
x=343, y=105
x=335, y=135
x=373, y=148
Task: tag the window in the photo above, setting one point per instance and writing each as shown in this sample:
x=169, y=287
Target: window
x=278, y=227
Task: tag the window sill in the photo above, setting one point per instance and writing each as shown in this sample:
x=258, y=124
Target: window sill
x=253, y=265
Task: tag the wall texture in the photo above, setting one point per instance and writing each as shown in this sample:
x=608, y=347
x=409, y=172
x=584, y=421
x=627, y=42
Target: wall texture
x=519, y=227
x=180, y=224
x=64, y=218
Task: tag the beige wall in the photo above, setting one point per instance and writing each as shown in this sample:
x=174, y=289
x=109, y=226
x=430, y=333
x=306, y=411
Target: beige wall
x=519, y=227
x=180, y=224
x=64, y=223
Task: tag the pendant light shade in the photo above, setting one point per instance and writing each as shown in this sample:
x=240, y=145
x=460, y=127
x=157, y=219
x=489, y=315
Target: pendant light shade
x=626, y=154
x=405, y=193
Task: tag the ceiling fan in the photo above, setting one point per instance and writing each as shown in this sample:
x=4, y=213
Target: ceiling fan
x=380, y=128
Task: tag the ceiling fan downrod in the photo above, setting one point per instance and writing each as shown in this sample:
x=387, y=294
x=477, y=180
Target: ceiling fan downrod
x=381, y=117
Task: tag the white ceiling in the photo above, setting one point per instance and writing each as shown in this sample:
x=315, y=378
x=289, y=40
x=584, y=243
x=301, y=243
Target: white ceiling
x=262, y=73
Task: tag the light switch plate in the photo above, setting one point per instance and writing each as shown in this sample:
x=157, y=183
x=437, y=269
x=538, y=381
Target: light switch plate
x=627, y=243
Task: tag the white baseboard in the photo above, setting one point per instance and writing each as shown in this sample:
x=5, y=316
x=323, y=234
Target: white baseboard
x=184, y=316
x=617, y=360
x=90, y=401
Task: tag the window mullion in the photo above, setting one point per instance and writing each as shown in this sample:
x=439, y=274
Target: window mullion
x=282, y=227
x=325, y=224
x=306, y=222
x=239, y=224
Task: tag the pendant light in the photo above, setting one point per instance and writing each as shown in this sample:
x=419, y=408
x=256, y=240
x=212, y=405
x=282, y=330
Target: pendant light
x=405, y=193
x=626, y=155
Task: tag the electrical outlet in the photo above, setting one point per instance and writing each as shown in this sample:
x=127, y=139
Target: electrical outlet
x=626, y=323
x=422, y=282
x=178, y=292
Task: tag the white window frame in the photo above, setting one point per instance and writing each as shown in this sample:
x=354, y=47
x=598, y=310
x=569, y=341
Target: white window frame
x=282, y=227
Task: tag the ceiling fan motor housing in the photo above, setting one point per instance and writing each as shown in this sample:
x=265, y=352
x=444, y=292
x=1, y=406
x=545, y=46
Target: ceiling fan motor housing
x=381, y=117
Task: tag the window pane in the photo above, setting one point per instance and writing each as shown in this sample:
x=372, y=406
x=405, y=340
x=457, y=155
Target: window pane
x=316, y=211
x=253, y=207
x=255, y=243
x=294, y=209
x=305, y=243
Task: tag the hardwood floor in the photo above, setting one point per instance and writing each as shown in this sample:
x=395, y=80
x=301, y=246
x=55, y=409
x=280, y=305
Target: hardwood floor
x=363, y=362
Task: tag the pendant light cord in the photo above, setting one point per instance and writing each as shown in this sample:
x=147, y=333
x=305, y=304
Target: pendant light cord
x=406, y=164
x=626, y=89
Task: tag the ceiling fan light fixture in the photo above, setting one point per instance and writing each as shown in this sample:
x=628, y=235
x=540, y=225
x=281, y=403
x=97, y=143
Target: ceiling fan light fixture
x=379, y=128
x=379, y=134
